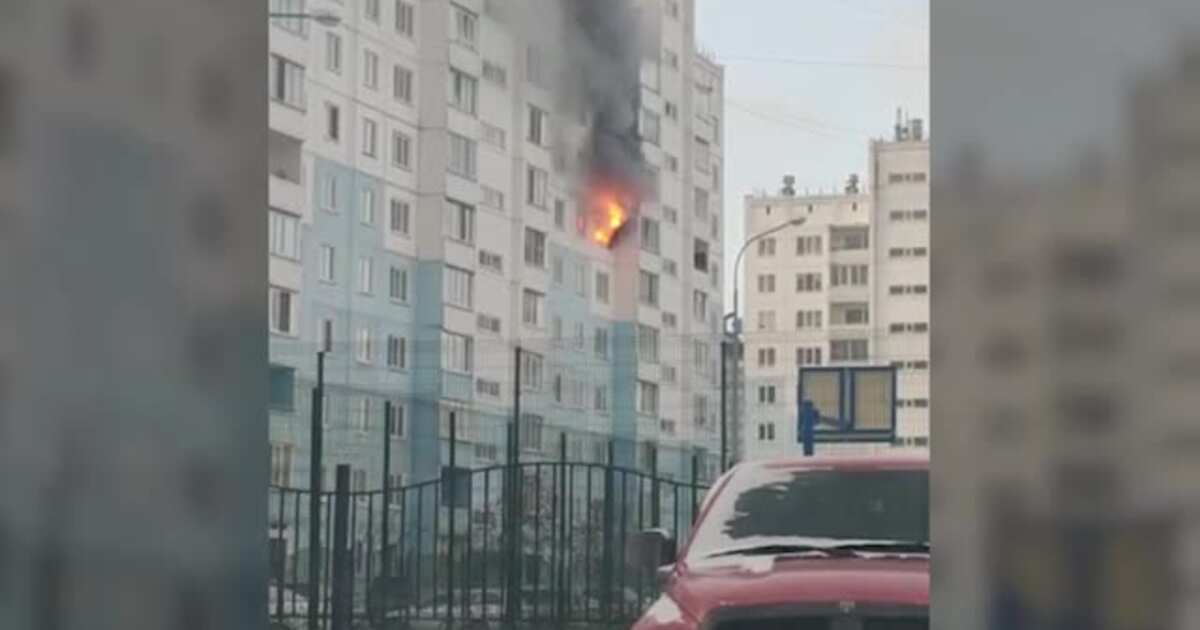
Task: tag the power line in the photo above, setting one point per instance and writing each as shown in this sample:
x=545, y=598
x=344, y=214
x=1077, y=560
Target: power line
x=813, y=127
x=792, y=61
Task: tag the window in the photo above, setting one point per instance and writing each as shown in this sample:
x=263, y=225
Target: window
x=808, y=356
x=650, y=126
x=401, y=150
x=849, y=314
x=458, y=287
x=325, y=335
x=580, y=279
x=281, y=464
x=492, y=198
x=329, y=192
x=841, y=239
x=602, y=287
x=537, y=132
x=580, y=336
x=808, y=245
x=488, y=388
x=700, y=410
x=670, y=267
x=488, y=323
x=848, y=275
x=402, y=84
x=283, y=316
x=556, y=269
x=285, y=235
x=703, y=158
x=766, y=394
x=399, y=217
x=535, y=67
x=398, y=284
x=671, y=7
x=766, y=283
x=699, y=305
x=700, y=255
x=365, y=271
x=328, y=262
x=535, y=248
x=371, y=10
x=536, y=183
x=493, y=135
x=808, y=282
x=333, y=122
x=670, y=320
x=464, y=91
x=495, y=73
x=848, y=350
x=560, y=214
x=456, y=352
x=670, y=214
x=701, y=358
x=766, y=432
x=766, y=357
x=405, y=18
x=700, y=204
x=647, y=402
x=287, y=82
x=396, y=349
x=670, y=59
x=650, y=235
x=395, y=428
x=333, y=52
x=766, y=320
x=366, y=210
x=462, y=156
x=647, y=344
x=466, y=25
x=370, y=70
x=369, y=146
x=647, y=288
x=531, y=431
x=363, y=346
x=766, y=247
x=600, y=398
x=600, y=343
x=808, y=319
x=491, y=260
x=293, y=24
x=532, y=370
x=532, y=307
x=460, y=221
x=556, y=329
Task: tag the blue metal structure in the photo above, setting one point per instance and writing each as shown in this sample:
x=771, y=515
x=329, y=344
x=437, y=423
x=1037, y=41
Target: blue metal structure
x=841, y=423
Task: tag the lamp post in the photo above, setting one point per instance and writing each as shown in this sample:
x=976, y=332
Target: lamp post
x=731, y=326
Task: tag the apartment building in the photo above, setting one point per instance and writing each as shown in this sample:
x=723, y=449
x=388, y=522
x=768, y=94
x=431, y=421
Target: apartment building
x=848, y=286
x=428, y=218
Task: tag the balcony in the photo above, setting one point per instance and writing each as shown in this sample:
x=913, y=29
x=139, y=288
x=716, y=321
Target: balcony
x=288, y=120
x=285, y=194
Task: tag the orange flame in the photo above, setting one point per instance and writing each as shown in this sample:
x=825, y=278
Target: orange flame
x=612, y=217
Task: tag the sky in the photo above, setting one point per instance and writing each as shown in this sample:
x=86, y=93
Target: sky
x=808, y=83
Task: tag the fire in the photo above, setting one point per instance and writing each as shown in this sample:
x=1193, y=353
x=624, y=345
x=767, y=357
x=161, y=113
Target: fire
x=608, y=216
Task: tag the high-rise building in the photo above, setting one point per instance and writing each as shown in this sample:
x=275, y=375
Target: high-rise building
x=848, y=286
x=432, y=211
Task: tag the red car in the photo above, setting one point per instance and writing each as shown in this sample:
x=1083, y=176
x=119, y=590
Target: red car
x=802, y=544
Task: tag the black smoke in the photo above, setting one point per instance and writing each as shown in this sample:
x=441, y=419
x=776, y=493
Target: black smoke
x=602, y=73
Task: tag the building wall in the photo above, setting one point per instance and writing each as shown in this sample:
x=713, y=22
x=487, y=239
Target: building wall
x=305, y=156
x=796, y=315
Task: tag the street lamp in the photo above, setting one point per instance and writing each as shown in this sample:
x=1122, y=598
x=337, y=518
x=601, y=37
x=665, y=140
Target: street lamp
x=733, y=332
x=324, y=18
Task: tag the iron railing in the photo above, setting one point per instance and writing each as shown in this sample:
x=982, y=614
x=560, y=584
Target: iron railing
x=538, y=544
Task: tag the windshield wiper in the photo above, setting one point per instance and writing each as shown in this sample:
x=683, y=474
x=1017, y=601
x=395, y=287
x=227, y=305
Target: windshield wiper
x=781, y=548
x=886, y=546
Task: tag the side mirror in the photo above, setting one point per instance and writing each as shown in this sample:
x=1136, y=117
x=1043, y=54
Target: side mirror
x=653, y=549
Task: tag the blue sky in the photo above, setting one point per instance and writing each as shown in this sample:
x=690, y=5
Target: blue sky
x=807, y=84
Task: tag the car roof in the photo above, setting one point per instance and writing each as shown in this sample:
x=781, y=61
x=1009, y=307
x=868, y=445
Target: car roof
x=905, y=461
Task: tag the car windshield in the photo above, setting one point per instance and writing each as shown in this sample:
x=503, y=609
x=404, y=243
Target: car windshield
x=780, y=508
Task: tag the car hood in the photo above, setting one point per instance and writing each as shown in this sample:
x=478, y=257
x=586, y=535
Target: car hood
x=700, y=588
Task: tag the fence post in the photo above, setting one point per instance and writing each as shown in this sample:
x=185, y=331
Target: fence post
x=451, y=500
x=316, y=439
x=387, y=499
x=655, y=489
x=563, y=548
x=607, y=551
x=342, y=573
x=695, y=487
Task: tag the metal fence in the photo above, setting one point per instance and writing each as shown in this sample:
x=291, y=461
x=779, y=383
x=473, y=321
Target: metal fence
x=527, y=545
